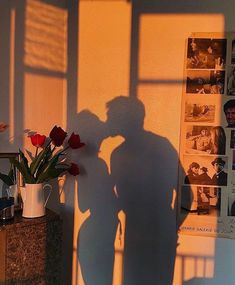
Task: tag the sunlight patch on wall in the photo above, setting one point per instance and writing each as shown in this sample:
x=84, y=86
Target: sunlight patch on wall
x=162, y=42
x=79, y=218
x=103, y=73
x=161, y=113
x=104, y=53
x=162, y=45
x=45, y=37
x=194, y=260
x=43, y=105
x=119, y=249
x=107, y=147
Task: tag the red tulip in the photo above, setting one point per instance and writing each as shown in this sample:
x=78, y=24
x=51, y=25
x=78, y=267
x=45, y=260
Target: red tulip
x=74, y=141
x=58, y=136
x=38, y=140
x=74, y=169
x=3, y=127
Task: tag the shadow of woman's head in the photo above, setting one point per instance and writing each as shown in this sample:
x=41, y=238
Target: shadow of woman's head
x=91, y=129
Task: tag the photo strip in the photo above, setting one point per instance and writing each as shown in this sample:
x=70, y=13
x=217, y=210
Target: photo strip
x=207, y=153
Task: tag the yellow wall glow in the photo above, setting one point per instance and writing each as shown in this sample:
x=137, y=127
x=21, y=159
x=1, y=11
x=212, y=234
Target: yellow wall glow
x=43, y=105
x=103, y=73
x=104, y=53
x=162, y=41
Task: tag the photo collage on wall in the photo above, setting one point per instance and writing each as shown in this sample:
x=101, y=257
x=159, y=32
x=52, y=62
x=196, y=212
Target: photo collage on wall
x=207, y=139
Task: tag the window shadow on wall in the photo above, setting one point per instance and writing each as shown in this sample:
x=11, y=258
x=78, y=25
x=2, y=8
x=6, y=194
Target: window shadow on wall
x=11, y=70
x=23, y=59
x=32, y=45
x=150, y=8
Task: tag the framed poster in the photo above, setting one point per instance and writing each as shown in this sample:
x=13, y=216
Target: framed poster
x=207, y=149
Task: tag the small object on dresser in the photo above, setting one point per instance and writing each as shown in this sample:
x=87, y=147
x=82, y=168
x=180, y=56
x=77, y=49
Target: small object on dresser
x=6, y=208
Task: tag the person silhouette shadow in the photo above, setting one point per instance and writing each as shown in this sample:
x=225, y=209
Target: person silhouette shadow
x=144, y=168
x=95, y=244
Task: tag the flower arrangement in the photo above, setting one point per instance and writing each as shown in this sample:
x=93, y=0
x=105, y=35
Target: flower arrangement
x=49, y=160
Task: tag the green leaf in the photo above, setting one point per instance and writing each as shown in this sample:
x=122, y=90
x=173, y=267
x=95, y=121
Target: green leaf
x=44, y=155
x=51, y=173
x=11, y=174
x=44, y=163
x=6, y=179
x=24, y=161
x=49, y=166
x=23, y=169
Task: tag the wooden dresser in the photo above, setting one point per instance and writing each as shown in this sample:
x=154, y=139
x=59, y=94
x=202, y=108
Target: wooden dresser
x=30, y=250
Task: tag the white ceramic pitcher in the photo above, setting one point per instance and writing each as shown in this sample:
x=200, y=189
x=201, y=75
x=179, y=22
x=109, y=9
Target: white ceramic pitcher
x=13, y=192
x=34, y=202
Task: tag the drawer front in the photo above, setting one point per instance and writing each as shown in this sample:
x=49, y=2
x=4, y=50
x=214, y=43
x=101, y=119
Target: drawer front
x=2, y=255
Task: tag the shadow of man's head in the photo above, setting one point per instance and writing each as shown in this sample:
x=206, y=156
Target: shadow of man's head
x=144, y=171
x=125, y=116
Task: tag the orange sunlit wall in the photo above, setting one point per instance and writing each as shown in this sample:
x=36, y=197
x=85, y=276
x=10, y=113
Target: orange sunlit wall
x=104, y=48
x=104, y=52
x=103, y=73
x=104, y=58
x=161, y=60
x=161, y=66
x=45, y=62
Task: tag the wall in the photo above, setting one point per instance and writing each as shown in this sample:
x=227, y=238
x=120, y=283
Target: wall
x=155, y=52
x=94, y=51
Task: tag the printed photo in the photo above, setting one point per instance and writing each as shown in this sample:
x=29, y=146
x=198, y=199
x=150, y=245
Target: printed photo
x=201, y=200
x=233, y=52
x=189, y=198
x=208, y=201
x=204, y=170
x=231, y=205
x=229, y=113
x=233, y=163
x=232, y=139
x=199, y=112
x=231, y=81
x=205, y=140
x=205, y=53
x=205, y=82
